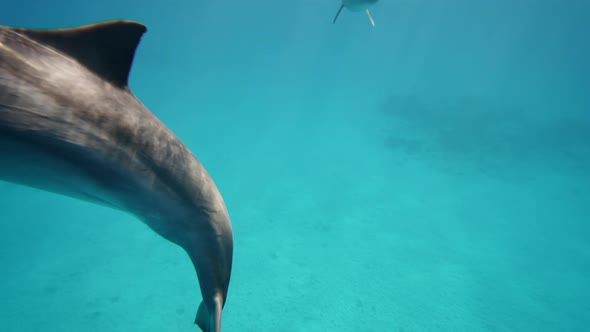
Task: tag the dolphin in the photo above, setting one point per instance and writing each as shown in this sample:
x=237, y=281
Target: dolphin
x=69, y=124
x=357, y=6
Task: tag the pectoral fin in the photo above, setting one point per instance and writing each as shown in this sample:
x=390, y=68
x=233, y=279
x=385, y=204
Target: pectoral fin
x=338, y=13
x=370, y=18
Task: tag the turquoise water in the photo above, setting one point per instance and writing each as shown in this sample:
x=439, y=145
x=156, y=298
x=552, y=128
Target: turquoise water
x=430, y=174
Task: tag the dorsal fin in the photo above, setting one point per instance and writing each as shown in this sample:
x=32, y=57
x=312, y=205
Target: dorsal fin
x=105, y=48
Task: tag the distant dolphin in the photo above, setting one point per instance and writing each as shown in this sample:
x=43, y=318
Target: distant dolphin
x=357, y=6
x=69, y=124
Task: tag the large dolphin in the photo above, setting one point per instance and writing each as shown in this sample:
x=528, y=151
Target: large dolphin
x=69, y=124
x=357, y=6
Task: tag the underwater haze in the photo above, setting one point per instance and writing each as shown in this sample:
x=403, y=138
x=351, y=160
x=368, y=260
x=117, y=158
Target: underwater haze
x=428, y=174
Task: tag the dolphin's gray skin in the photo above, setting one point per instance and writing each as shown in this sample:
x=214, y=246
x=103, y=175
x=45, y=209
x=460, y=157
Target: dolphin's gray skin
x=357, y=6
x=69, y=124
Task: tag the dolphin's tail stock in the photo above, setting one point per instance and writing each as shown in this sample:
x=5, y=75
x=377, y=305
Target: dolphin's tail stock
x=209, y=320
x=338, y=13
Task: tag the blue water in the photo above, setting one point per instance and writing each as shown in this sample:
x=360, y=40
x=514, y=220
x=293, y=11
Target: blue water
x=428, y=174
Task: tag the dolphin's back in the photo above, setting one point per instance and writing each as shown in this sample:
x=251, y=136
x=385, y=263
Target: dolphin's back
x=57, y=116
x=91, y=124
